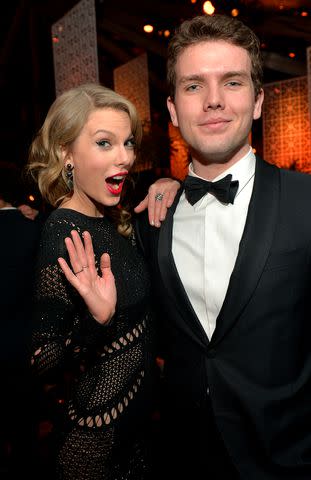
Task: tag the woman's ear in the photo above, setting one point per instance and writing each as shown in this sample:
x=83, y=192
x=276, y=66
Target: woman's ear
x=66, y=155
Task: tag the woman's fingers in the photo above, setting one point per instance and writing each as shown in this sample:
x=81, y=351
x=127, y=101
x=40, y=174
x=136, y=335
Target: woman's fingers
x=89, y=251
x=160, y=197
x=105, y=265
x=73, y=257
x=98, y=292
x=107, y=276
x=71, y=277
x=142, y=205
x=79, y=249
x=81, y=256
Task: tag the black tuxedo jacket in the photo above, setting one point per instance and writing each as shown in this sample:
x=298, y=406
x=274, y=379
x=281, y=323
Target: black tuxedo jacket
x=18, y=247
x=257, y=367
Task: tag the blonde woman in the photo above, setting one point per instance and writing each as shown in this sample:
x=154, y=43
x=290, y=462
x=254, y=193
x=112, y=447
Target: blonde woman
x=98, y=349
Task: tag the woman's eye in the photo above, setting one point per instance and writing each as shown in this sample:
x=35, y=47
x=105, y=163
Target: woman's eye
x=103, y=143
x=130, y=143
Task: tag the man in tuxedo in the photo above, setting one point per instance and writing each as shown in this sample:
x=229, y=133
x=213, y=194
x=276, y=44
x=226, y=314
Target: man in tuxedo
x=231, y=268
x=18, y=244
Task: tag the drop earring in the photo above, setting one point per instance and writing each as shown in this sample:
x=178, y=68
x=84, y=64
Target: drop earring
x=69, y=175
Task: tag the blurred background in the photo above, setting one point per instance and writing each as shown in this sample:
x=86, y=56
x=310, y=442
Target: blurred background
x=26, y=55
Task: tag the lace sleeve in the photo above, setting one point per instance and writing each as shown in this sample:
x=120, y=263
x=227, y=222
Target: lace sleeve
x=63, y=329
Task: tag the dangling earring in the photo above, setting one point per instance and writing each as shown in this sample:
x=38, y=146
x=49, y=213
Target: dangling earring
x=69, y=175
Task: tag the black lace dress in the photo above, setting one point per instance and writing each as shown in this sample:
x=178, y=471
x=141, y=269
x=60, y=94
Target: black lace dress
x=104, y=374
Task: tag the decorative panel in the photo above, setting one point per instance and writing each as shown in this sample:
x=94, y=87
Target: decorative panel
x=179, y=153
x=132, y=81
x=75, y=47
x=309, y=78
x=286, y=124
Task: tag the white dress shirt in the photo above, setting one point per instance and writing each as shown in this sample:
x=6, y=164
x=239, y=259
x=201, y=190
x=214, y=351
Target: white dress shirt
x=206, y=238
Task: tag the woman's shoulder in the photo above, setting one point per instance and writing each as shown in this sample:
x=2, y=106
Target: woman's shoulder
x=57, y=227
x=64, y=219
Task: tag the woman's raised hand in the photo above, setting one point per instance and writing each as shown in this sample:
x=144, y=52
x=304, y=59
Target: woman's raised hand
x=98, y=292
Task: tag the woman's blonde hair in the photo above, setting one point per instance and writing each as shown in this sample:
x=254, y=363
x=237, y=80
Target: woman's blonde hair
x=64, y=121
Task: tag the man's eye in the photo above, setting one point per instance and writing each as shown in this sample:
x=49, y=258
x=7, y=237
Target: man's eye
x=192, y=88
x=233, y=83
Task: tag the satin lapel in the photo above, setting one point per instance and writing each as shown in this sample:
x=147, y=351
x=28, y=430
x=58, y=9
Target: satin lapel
x=254, y=246
x=173, y=286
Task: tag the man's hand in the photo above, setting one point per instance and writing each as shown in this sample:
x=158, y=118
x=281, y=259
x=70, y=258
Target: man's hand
x=160, y=197
x=28, y=211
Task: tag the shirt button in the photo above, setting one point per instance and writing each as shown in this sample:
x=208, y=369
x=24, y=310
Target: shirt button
x=207, y=391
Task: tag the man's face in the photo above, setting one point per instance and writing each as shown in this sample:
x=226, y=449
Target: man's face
x=214, y=104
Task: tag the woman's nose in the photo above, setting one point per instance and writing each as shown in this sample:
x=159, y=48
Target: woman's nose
x=125, y=157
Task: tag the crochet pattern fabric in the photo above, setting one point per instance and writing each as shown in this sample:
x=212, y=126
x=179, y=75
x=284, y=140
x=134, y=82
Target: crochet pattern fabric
x=103, y=373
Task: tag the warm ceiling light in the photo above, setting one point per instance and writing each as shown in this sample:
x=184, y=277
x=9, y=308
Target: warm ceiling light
x=31, y=198
x=304, y=14
x=235, y=12
x=208, y=8
x=148, y=28
x=166, y=33
x=193, y=1
x=292, y=54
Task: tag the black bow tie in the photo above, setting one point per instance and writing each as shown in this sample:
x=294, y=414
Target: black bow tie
x=224, y=190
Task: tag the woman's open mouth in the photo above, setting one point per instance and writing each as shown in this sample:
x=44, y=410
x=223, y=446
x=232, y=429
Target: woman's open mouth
x=115, y=183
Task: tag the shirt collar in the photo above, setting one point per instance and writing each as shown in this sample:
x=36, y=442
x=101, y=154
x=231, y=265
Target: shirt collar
x=243, y=171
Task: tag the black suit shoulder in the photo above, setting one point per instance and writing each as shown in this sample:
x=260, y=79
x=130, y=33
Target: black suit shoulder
x=18, y=249
x=20, y=235
x=144, y=232
x=295, y=189
x=296, y=178
x=293, y=177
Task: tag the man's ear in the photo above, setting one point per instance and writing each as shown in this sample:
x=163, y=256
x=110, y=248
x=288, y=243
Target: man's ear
x=258, y=105
x=171, y=108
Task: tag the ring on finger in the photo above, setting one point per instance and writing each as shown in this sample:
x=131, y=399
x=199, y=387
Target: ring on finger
x=85, y=266
x=159, y=197
x=79, y=271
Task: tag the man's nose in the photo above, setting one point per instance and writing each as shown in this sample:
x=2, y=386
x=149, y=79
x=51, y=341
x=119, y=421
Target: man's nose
x=213, y=98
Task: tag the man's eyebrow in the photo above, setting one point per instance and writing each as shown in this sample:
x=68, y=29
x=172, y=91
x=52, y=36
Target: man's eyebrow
x=236, y=73
x=201, y=78
x=191, y=78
